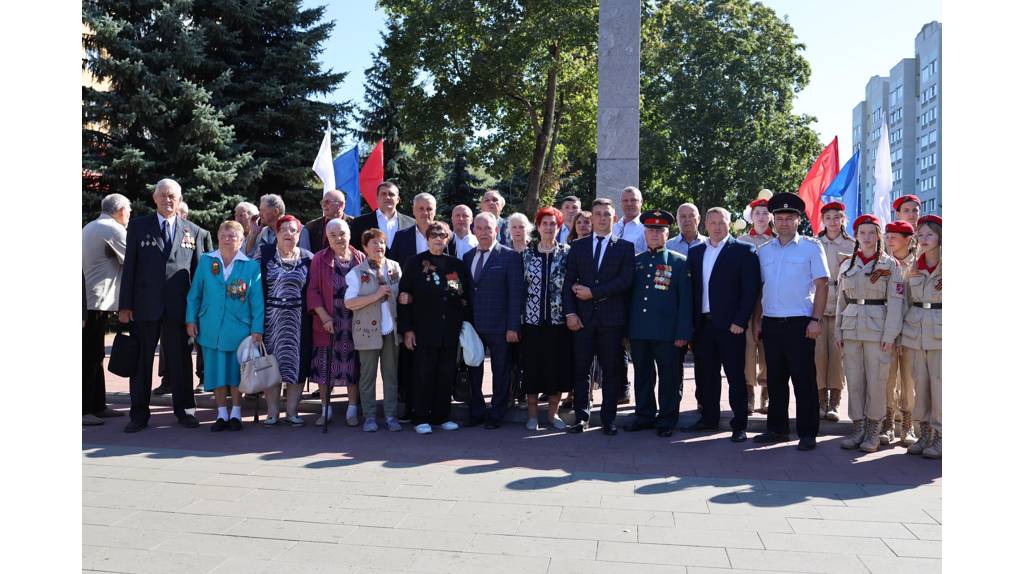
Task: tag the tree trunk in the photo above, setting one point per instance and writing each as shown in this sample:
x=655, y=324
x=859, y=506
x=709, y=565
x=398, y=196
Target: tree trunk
x=540, y=144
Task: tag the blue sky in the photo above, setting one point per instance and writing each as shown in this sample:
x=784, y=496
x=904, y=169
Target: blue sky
x=846, y=43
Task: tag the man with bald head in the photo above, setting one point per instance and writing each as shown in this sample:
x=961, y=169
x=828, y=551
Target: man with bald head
x=314, y=234
x=462, y=230
x=628, y=226
x=688, y=219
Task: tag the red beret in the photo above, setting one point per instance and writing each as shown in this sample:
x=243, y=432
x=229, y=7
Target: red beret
x=930, y=218
x=899, y=227
x=758, y=203
x=901, y=200
x=866, y=218
x=833, y=205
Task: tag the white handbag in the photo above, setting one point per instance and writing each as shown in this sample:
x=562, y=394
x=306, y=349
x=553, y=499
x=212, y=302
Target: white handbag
x=259, y=372
x=472, y=346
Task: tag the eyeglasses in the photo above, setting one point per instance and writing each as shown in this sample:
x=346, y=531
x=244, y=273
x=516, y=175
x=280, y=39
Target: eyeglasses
x=437, y=235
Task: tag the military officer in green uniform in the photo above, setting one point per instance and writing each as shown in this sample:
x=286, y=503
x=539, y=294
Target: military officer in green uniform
x=660, y=325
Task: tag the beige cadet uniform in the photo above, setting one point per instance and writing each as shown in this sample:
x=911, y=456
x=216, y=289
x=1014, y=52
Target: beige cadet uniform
x=827, y=358
x=755, y=370
x=922, y=343
x=869, y=312
x=899, y=389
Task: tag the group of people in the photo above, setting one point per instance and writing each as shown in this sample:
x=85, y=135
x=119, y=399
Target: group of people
x=339, y=300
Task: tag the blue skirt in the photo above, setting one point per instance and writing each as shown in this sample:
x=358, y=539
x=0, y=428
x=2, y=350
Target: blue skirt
x=220, y=369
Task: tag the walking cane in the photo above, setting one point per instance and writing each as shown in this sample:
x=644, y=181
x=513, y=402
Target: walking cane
x=325, y=398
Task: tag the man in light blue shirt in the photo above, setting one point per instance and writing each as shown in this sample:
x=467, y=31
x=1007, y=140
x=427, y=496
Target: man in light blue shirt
x=795, y=278
x=688, y=218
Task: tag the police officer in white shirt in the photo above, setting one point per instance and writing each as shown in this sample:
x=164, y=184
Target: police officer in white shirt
x=629, y=227
x=787, y=318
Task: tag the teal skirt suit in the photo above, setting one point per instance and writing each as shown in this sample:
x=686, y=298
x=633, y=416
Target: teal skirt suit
x=226, y=310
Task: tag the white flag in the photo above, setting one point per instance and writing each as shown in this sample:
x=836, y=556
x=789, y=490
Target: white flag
x=883, y=178
x=323, y=165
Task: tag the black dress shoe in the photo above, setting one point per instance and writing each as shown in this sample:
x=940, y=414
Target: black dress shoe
x=133, y=426
x=807, y=443
x=473, y=422
x=738, y=436
x=577, y=428
x=638, y=426
x=188, y=421
x=665, y=432
x=162, y=390
x=491, y=425
x=234, y=424
x=609, y=430
x=219, y=425
x=109, y=413
x=771, y=437
x=699, y=426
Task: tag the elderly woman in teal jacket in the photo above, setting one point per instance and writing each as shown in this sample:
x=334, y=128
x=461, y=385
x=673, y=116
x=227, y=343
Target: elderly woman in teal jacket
x=226, y=299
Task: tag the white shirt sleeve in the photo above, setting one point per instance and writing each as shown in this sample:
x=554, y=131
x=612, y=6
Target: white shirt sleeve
x=819, y=265
x=352, y=284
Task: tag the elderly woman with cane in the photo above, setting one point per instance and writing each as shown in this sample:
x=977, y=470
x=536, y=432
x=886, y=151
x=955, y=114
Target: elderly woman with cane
x=334, y=357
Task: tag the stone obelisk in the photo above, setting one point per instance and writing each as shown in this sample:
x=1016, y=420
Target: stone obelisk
x=618, y=97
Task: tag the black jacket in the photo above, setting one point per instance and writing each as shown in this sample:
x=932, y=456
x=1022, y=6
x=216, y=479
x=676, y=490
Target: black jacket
x=369, y=221
x=609, y=286
x=732, y=287
x=440, y=287
x=154, y=286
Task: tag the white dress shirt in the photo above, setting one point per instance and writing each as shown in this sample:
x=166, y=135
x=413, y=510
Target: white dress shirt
x=633, y=232
x=711, y=253
x=604, y=247
x=387, y=323
x=563, y=234
x=240, y=256
x=788, y=272
x=486, y=254
x=388, y=226
x=421, y=241
x=464, y=245
x=171, y=221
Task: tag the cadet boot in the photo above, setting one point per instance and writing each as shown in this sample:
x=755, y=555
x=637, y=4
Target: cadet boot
x=871, y=436
x=822, y=403
x=907, y=428
x=934, y=448
x=888, y=434
x=763, y=409
x=922, y=441
x=853, y=441
x=750, y=400
x=834, y=396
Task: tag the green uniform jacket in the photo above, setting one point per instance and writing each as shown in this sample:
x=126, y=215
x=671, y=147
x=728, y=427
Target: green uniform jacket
x=661, y=308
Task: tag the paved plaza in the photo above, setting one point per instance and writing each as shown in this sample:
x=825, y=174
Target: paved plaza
x=171, y=499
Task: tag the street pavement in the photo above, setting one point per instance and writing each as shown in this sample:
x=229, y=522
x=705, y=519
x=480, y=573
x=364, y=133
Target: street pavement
x=171, y=499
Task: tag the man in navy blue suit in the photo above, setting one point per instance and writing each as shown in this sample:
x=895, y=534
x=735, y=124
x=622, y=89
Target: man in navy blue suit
x=497, y=297
x=726, y=277
x=598, y=277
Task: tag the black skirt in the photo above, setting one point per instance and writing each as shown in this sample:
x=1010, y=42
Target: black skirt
x=546, y=356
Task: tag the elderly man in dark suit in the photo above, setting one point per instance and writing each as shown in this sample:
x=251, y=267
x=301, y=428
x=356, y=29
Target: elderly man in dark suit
x=497, y=297
x=385, y=218
x=598, y=277
x=161, y=254
x=726, y=277
x=314, y=232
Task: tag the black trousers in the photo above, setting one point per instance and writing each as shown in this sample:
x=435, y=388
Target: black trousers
x=435, y=375
x=175, y=346
x=161, y=368
x=499, y=380
x=94, y=389
x=646, y=354
x=606, y=342
x=789, y=354
x=715, y=349
x=406, y=375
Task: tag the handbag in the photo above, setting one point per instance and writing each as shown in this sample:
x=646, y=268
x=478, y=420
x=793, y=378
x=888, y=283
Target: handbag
x=472, y=346
x=259, y=373
x=460, y=390
x=124, y=354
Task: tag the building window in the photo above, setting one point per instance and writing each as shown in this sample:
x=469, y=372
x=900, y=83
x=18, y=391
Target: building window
x=926, y=162
x=929, y=117
x=897, y=175
x=929, y=94
x=929, y=70
x=856, y=132
x=895, y=96
x=897, y=155
x=927, y=139
x=896, y=136
x=896, y=116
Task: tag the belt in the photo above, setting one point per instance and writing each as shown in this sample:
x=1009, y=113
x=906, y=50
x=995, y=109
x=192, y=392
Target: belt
x=865, y=301
x=928, y=305
x=834, y=282
x=784, y=319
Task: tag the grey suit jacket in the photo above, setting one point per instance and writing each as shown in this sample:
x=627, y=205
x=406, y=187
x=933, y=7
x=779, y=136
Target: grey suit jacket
x=103, y=249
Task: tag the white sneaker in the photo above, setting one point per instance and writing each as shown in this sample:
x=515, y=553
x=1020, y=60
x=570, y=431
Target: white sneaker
x=531, y=424
x=424, y=429
x=558, y=423
x=450, y=425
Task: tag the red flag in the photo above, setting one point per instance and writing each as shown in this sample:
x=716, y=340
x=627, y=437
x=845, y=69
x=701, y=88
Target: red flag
x=372, y=175
x=817, y=181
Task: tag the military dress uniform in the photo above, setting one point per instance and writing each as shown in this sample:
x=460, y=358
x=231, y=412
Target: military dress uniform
x=754, y=370
x=828, y=360
x=899, y=388
x=869, y=313
x=661, y=312
x=922, y=343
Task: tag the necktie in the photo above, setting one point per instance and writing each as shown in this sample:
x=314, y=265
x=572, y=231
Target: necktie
x=479, y=264
x=622, y=230
x=597, y=254
x=167, y=237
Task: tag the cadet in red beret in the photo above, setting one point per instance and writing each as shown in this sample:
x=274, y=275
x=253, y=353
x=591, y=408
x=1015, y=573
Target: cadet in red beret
x=828, y=360
x=899, y=389
x=907, y=208
x=922, y=335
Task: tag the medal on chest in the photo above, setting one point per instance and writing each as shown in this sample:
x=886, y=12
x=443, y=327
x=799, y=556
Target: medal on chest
x=662, y=277
x=187, y=242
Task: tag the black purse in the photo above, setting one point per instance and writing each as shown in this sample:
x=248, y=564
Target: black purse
x=460, y=390
x=124, y=353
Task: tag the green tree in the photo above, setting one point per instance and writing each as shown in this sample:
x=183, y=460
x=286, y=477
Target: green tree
x=718, y=79
x=521, y=74
x=260, y=61
x=156, y=120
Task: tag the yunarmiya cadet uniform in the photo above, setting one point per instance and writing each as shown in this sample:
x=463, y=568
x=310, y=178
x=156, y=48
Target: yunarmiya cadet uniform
x=754, y=367
x=828, y=360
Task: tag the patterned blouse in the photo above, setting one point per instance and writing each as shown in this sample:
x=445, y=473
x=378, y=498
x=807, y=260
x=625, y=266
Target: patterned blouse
x=544, y=286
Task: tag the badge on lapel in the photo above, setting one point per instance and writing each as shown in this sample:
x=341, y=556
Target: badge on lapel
x=149, y=241
x=879, y=273
x=216, y=267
